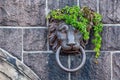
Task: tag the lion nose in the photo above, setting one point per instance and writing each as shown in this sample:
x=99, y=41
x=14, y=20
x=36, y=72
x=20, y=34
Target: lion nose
x=71, y=38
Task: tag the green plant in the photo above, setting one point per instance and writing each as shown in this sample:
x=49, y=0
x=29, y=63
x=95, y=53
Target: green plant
x=84, y=20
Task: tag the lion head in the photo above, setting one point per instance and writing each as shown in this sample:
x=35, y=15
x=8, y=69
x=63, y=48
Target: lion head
x=66, y=36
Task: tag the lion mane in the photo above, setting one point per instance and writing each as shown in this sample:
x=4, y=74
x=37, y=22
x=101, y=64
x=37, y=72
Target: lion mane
x=53, y=41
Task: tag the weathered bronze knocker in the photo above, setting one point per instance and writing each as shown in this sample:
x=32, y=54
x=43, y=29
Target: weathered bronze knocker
x=66, y=39
x=67, y=69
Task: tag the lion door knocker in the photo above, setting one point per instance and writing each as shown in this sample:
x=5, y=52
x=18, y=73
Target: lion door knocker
x=65, y=39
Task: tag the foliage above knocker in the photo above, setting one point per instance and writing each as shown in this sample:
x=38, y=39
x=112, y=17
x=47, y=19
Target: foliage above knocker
x=84, y=20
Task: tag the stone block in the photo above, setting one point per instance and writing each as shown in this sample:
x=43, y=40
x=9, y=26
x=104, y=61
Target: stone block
x=22, y=12
x=11, y=41
x=63, y=3
x=34, y=39
x=45, y=66
x=56, y=4
x=90, y=3
x=110, y=9
x=53, y=4
x=111, y=38
x=116, y=66
x=92, y=70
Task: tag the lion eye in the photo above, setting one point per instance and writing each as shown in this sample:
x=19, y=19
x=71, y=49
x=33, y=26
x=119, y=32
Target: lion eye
x=63, y=31
x=76, y=31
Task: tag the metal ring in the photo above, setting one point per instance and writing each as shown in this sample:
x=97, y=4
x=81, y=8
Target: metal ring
x=67, y=69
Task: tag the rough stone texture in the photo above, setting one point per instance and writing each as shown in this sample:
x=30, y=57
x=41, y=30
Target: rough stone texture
x=22, y=12
x=63, y=3
x=45, y=66
x=116, y=66
x=11, y=41
x=55, y=4
x=110, y=9
x=12, y=69
x=111, y=38
x=91, y=70
x=90, y=3
x=32, y=13
x=34, y=39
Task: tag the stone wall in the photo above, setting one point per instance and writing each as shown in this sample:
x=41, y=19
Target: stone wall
x=23, y=33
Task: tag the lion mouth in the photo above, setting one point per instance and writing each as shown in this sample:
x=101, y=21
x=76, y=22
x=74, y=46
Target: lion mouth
x=70, y=51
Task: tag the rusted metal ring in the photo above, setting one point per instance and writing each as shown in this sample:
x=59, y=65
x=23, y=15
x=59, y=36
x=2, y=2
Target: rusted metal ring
x=67, y=69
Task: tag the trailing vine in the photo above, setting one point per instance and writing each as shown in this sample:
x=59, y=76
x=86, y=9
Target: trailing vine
x=84, y=20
